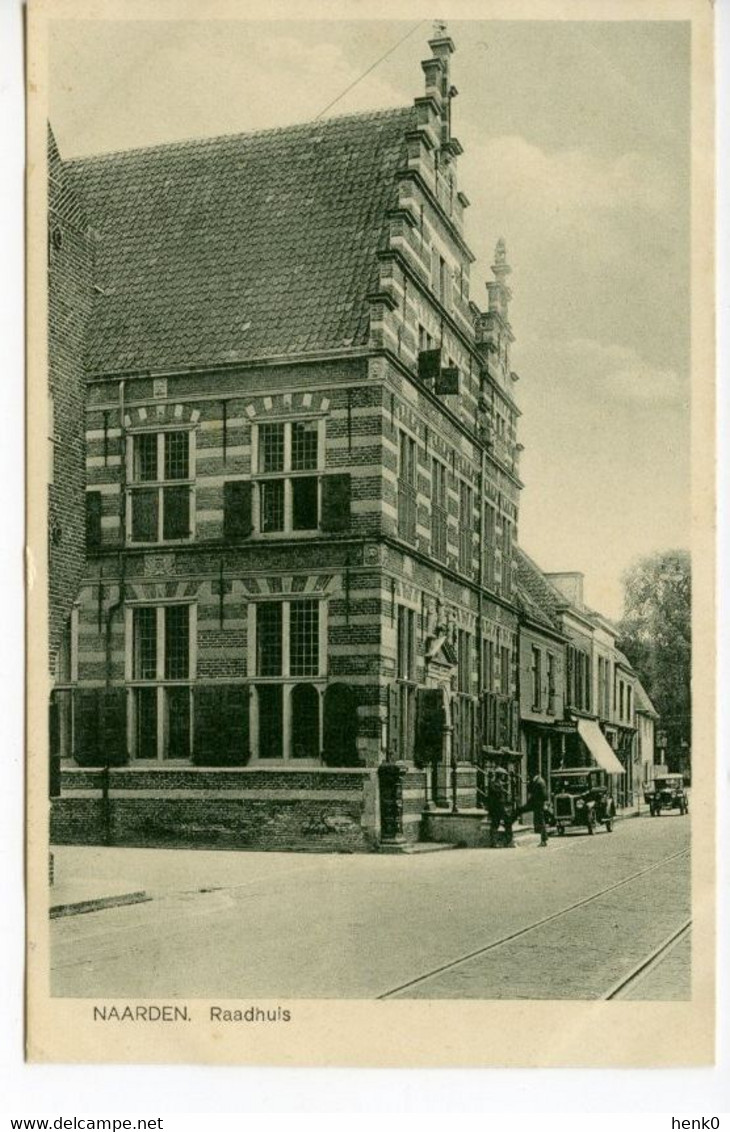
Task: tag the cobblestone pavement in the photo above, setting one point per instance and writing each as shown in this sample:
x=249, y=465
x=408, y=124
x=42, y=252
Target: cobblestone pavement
x=256, y=925
x=670, y=980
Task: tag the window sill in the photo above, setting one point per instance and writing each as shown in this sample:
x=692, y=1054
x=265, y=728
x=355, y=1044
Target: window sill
x=276, y=536
x=129, y=545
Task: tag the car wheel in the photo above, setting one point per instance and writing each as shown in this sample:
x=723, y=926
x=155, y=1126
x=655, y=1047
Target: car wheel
x=561, y=831
x=609, y=825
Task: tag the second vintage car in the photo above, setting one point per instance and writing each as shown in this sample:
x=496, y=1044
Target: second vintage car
x=668, y=793
x=581, y=799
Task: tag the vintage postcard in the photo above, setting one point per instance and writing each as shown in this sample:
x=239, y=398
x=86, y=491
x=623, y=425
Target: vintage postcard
x=370, y=552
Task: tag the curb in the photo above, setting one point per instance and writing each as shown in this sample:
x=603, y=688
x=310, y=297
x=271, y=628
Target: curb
x=95, y=904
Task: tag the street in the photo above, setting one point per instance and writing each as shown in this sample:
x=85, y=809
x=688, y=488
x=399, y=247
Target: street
x=580, y=916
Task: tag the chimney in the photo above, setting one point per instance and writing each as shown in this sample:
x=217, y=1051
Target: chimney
x=570, y=584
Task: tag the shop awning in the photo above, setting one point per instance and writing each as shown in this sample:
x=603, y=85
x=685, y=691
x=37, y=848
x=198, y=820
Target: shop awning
x=599, y=746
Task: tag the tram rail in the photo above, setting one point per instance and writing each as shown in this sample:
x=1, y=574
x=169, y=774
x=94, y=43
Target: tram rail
x=615, y=991
x=638, y=973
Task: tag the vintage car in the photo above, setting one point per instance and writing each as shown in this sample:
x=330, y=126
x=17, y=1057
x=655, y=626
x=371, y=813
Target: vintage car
x=581, y=799
x=667, y=793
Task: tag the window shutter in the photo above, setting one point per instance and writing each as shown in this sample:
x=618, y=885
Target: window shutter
x=237, y=510
x=429, y=364
x=339, y=743
x=176, y=518
x=113, y=726
x=54, y=748
x=207, y=725
x=447, y=381
x=430, y=724
x=93, y=520
x=336, y=502
x=393, y=722
x=86, y=726
x=221, y=730
x=234, y=700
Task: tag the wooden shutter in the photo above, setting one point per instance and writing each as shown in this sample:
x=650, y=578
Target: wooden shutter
x=393, y=722
x=93, y=520
x=207, y=725
x=221, y=729
x=113, y=726
x=336, y=502
x=447, y=381
x=430, y=724
x=234, y=710
x=54, y=748
x=86, y=726
x=237, y=510
x=429, y=364
x=176, y=518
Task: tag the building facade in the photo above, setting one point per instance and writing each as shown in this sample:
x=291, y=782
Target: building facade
x=302, y=485
x=646, y=721
x=543, y=667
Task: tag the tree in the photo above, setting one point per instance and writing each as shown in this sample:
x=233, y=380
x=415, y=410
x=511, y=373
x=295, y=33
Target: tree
x=656, y=635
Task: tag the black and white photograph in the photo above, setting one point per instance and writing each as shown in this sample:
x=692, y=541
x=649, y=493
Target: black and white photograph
x=371, y=379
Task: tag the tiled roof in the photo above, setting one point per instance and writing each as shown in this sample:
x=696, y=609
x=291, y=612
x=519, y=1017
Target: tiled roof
x=232, y=248
x=535, y=596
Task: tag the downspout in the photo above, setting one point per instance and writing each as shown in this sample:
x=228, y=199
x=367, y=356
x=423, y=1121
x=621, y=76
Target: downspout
x=480, y=631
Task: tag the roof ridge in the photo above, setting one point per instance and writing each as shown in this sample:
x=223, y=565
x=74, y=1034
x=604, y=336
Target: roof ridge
x=199, y=142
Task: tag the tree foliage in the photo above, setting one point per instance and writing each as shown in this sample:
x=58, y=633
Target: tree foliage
x=656, y=635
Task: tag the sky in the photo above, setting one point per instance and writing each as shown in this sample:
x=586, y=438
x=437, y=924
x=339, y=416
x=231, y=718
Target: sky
x=576, y=151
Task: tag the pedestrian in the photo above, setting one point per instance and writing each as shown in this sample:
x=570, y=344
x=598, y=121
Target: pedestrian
x=537, y=802
x=499, y=807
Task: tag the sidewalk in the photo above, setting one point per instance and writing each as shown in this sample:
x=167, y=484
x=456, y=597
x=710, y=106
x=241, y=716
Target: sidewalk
x=90, y=877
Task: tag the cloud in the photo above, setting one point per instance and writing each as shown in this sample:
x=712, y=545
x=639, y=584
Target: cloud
x=565, y=184
x=611, y=372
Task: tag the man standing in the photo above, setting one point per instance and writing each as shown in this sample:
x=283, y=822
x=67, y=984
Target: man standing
x=538, y=799
x=499, y=807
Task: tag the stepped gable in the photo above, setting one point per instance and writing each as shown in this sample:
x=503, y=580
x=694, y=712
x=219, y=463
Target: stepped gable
x=233, y=248
x=535, y=596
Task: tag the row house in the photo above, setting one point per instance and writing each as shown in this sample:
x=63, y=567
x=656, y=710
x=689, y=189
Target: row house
x=581, y=703
x=543, y=660
x=302, y=488
x=646, y=737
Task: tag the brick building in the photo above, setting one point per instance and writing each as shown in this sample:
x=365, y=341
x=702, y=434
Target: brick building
x=302, y=487
x=70, y=295
x=543, y=663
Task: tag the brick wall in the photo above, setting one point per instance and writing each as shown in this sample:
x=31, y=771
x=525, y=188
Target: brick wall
x=245, y=809
x=70, y=294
